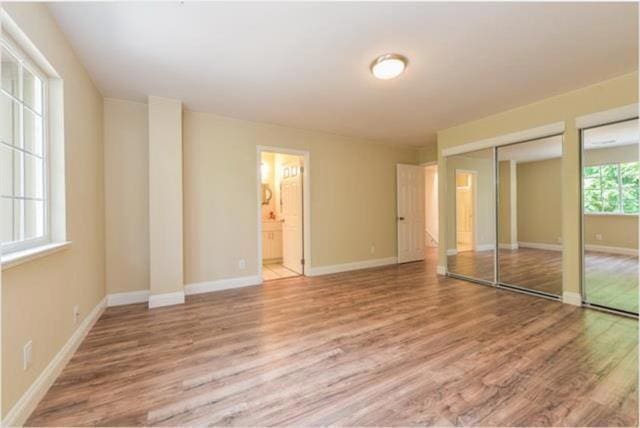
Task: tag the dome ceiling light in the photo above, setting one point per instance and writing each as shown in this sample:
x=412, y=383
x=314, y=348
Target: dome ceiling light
x=388, y=66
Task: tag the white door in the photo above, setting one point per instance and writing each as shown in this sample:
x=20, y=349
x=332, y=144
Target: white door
x=292, y=217
x=410, y=213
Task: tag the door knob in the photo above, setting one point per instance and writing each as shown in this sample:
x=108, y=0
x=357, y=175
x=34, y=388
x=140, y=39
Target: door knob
x=400, y=218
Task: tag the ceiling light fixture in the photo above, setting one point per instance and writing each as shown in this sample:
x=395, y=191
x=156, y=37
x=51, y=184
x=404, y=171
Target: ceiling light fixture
x=388, y=66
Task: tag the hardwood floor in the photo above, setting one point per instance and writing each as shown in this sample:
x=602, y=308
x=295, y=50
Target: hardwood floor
x=611, y=279
x=387, y=346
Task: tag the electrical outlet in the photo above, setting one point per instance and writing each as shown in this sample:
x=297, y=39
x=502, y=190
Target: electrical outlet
x=26, y=355
x=598, y=236
x=76, y=314
x=372, y=250
x=242, y=264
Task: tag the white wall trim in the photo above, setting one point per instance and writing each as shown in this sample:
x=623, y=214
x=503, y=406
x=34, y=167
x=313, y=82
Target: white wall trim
x=540, y=246
x=441, y=270
x=514, y=137
x=602, y=117
x=571, y=298
x=19, y=257
x=345, y=267
x=127, y=298
x=485, y=247
x=19, y=413
x=166, y=299
x=452, y=252
x=513, y=246
x=222, y=284
x=612, y=250
x=306, y=201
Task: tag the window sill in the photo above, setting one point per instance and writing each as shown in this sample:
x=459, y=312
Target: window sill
x=611, y=214
x=19, y=257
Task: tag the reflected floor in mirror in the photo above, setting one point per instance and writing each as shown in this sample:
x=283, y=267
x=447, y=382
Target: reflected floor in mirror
x=535, y=269
x=612, y=280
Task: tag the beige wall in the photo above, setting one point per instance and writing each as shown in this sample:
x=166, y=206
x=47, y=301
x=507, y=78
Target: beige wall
x=606, y=95
x=428, y=153
x=352, y=195
x=431, y=201
x=220, y=199
x=539, y=201
x=38, y=296
x=126, y=157
x=166, y=271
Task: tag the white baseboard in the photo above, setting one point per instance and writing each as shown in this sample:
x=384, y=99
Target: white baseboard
x=540, y=246
x=612, y=250
x=571, y=298
x=221, y=284
x=485, y=247
x=345, y=267
x=452, y=252
x=513, y=246
x=128, y=298
x=166, y=299
x=441, y=270
x=20, y=411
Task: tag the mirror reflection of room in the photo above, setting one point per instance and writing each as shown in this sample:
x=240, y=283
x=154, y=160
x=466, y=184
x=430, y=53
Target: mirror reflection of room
x=471, y=206
x=610, y=206
x=530, y=215
x=281, y=215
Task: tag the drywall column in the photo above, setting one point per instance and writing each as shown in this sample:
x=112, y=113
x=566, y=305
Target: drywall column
x=508, y=205
x=165, y=202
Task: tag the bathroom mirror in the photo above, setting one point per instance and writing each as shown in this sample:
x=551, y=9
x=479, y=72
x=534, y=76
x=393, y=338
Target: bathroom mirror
x=610, y=192
x=470, y=227
x=267, y=194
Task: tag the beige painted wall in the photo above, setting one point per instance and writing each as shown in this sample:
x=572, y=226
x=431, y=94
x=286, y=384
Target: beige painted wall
x=352, y=195
x=566, y=107
x=428, y=153
x=126, y=158
x=46, y=289
x=539, y=201
x=166, y=273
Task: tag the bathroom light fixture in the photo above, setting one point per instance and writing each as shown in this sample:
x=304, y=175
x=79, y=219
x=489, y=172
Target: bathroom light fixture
x=388, y=66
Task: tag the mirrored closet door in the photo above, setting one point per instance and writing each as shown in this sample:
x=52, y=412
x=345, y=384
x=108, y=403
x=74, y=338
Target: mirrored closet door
x=610, y=193
x=530, y=216
x=470, y=199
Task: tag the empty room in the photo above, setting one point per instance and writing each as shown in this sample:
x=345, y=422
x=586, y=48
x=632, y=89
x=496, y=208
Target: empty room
x=319, y=213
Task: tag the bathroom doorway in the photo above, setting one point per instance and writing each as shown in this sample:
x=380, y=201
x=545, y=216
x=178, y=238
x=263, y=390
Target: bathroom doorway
x=282, y=214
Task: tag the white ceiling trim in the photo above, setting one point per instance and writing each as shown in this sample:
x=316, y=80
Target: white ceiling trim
x=543, y=131
x=608, y=116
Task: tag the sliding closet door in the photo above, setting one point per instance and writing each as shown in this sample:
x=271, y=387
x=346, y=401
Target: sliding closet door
x=470, y=194
x=530, y=216
x=610, y=178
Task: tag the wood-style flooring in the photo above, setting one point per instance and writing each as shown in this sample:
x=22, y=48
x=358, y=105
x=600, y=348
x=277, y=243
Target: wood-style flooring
x=611, y=279
x=395, y=345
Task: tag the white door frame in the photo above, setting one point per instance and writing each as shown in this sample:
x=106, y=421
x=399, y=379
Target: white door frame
x=474, y=191
x=306, y=202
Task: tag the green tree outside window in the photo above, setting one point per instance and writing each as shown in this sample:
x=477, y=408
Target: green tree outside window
x=612, y=188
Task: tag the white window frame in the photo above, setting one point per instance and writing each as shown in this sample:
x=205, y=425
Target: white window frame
x=620, y=210
x=26, y=62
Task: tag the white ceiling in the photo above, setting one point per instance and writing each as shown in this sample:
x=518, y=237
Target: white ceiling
x=306, y=64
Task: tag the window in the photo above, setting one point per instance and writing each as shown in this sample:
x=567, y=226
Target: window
x=23, y=153
x=612, y=188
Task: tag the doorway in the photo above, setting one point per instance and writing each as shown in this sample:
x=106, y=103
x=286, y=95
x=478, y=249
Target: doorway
x=465, y=211
x=281, y=224
x=431, y=206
